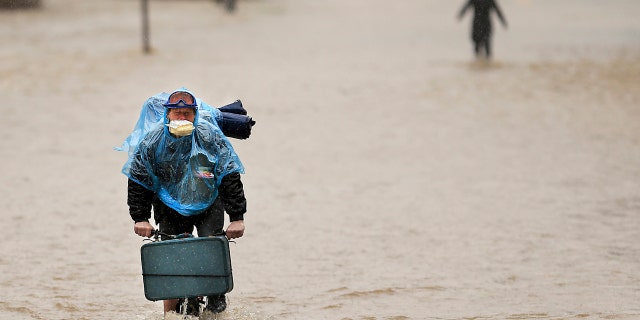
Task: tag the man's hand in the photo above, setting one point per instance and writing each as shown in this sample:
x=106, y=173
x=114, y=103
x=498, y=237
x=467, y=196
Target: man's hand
x=235, y=229
x=143, y=229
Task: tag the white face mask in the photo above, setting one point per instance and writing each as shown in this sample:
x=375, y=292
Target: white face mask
x=180, y=128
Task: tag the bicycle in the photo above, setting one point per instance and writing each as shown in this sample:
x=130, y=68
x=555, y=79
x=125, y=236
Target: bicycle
x=190, y=269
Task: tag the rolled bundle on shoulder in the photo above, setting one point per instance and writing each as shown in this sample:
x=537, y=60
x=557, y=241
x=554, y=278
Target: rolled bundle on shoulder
x=236, y=125
x=235, y=121
x=235, y=107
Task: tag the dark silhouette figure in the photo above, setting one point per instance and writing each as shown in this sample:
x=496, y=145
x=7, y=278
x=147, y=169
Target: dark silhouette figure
x=230, y=5
x=481, y=27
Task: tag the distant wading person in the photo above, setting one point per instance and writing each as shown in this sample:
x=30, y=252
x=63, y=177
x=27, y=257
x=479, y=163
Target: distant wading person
x=481, y=27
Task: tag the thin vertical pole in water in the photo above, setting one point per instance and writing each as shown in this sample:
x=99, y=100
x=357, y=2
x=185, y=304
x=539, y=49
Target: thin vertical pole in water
x=146, y=47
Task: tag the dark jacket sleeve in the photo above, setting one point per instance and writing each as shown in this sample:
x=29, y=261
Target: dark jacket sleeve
x=232, y=193
x=139, y=200
x=499, y=13
x=464, y=9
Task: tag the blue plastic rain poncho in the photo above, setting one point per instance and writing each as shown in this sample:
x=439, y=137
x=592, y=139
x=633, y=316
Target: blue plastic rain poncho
x=184, y=172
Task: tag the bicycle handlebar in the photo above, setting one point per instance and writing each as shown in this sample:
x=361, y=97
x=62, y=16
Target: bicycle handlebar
x=156, y=233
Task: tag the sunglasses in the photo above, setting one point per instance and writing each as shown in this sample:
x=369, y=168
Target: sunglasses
x=181, y=99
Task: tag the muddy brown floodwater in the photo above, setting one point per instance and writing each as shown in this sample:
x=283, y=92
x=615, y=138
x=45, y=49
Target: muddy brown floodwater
x=389, y=176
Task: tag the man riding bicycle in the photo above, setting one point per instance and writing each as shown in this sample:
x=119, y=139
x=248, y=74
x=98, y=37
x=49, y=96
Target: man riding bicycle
x=187, y=171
